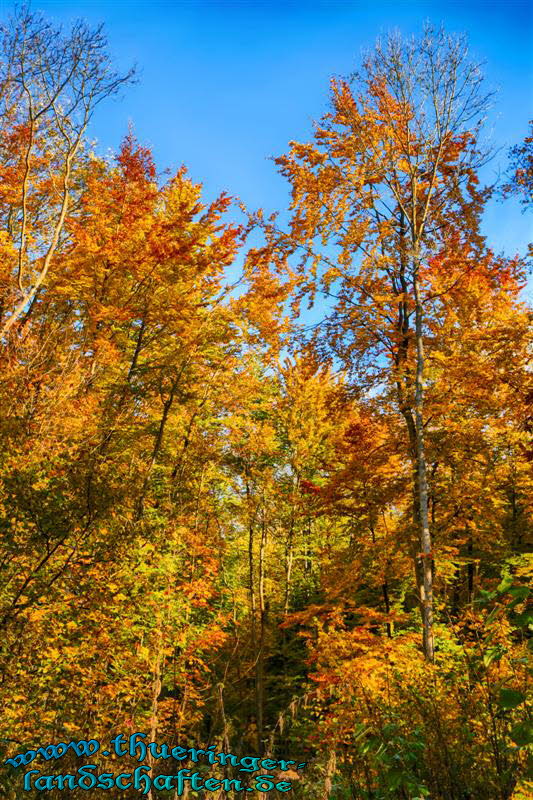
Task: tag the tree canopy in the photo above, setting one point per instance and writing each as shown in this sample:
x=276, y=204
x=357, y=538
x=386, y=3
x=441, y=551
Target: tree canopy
x=222, y=529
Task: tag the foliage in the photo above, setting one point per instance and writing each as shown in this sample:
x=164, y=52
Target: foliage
x=214, y=529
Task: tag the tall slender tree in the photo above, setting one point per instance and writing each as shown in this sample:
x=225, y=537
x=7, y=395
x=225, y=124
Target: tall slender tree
x=388, y=183
x=50, y=85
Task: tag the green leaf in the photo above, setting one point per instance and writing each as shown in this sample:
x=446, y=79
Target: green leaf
x=394, y=778
x=491, y=655
x=522, y=734
x=484, y=597
x=519, y=592
x=505, y=584
x=511, y=698
x=523, y=619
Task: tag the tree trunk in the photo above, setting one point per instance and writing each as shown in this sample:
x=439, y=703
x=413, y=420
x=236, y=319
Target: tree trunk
x=425, y=555
x=260, y=663
x=414, y=420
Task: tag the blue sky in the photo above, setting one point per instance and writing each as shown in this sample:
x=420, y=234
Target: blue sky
x=224, y=85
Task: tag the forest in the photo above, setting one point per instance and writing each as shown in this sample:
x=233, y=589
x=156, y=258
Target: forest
x=265, y=478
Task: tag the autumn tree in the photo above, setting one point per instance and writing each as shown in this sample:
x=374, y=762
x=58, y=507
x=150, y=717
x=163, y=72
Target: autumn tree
x=111, y=403
x=50, y=84
x=388, y=184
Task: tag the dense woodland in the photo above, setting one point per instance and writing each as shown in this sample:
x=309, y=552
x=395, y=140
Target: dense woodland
x=231, y=520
